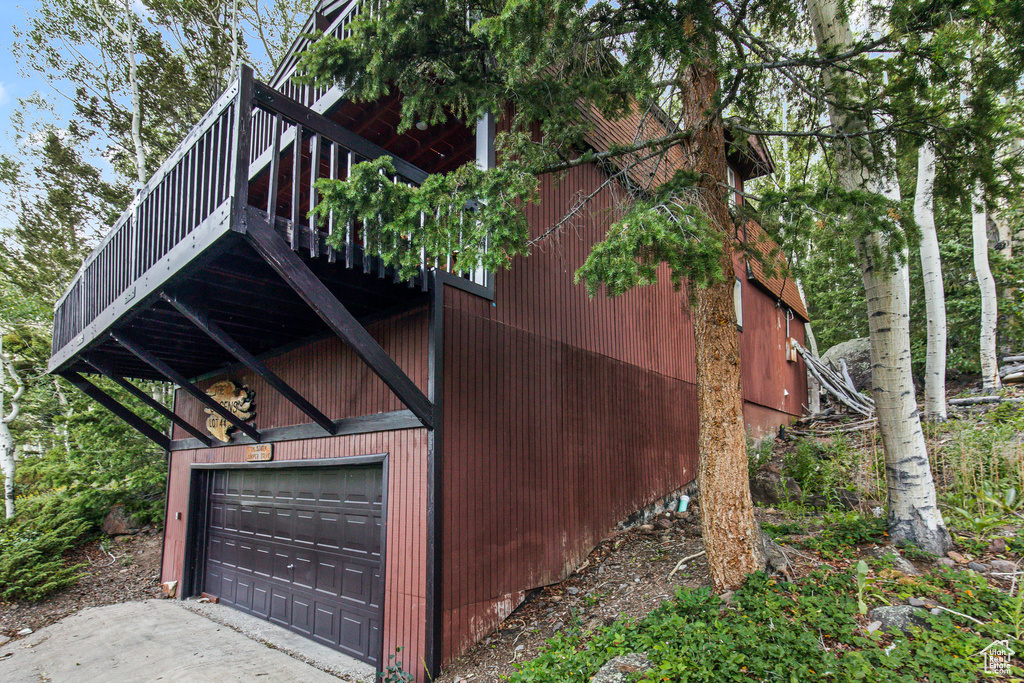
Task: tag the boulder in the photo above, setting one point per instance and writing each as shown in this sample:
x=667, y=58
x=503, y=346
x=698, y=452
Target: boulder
x=898, y=618
x=1004, y=566
x=857, y=354
x=622, y=668
x=769, y=487
x=119, y=523
x=899, y=563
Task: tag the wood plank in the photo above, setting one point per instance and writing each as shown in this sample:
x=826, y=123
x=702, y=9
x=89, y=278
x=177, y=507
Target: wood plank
x=297, y=274
x=114, y=406
x=201, y=319
x=149, y=401
x=175, y=377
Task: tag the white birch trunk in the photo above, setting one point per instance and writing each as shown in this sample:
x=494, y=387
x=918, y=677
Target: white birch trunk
x=128, y=39
x=8, y=462
x=987, y=285
x=934, y=292
x=913, y=514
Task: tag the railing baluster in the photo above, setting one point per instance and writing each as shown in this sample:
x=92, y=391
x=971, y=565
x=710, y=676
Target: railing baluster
x=275, y=171
x=332, y=254
x=350, y=228
x=296, y=186
x=314, y=173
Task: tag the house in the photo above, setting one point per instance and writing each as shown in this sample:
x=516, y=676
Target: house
x=403, y=460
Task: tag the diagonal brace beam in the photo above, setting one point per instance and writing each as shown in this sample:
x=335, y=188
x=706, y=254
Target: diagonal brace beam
x=200, y=318
x=117, y=408
x=307, y=285
x=176, y=377
x=148, y=400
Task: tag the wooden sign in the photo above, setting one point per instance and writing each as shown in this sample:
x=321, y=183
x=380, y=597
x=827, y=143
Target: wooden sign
x=261, y=452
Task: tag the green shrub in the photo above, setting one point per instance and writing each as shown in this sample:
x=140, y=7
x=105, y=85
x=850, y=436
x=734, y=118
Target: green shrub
x=780, y=631
x=843, y=532
x=32, y=563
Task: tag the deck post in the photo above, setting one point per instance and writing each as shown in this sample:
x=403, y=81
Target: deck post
x=176, y=377
x=240, y=147
x=114, y=406
x=201, y=319
x=148, y=400
x=294, y=271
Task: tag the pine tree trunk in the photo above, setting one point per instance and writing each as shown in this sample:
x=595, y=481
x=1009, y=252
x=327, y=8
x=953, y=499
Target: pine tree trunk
x=987, y=285
x=913, y=514
x=934, y=292
x=732, y=537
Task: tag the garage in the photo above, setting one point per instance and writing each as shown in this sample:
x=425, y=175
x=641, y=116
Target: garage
x=300, y=547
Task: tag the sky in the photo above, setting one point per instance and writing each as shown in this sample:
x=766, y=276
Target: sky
x=12, y=84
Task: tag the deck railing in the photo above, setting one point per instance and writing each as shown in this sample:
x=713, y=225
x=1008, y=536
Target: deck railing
x=201, y=192
x=191, y=188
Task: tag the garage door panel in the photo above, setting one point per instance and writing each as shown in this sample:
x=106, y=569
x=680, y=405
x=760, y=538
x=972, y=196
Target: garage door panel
x=301, y=547
x=356, y=582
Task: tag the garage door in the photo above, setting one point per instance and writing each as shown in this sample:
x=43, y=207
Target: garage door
x=300, y=547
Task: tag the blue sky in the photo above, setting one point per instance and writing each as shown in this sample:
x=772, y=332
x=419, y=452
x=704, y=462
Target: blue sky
x=12, y=84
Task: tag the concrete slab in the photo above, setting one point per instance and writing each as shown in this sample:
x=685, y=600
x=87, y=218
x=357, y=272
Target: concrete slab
x=160, y=640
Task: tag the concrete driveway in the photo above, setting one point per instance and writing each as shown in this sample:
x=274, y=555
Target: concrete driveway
x=161, y=640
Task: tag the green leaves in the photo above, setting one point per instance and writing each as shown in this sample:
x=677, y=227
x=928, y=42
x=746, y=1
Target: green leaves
x=401, y=222
x=650, y=234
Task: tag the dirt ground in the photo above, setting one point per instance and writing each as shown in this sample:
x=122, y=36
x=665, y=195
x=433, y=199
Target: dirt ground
x=626, y=576
x=116, y=570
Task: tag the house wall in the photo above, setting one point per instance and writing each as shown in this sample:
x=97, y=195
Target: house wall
x=329, y=375
x=564, y=414
x=334, y=380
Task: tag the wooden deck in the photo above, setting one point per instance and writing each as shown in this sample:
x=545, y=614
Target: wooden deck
x=184, y=233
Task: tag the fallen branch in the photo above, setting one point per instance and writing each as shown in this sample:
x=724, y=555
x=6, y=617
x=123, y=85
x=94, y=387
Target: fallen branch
x=978, y=400
x=679, y=565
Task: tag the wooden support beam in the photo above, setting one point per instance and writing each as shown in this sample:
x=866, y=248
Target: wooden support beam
x=297, y=274
x=111, y=404
x=148, y=400
x=176, y=377
x=200, y=317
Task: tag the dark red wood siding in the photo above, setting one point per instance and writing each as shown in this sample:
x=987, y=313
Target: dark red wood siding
x=564, y=414
x=330, y=376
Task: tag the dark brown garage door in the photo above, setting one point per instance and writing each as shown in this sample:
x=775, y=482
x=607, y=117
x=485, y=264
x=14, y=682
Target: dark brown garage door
x=301, y=547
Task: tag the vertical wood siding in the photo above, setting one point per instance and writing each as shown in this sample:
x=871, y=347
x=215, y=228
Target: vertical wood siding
x=330, y=376
x=405, y=569
x=564, y=414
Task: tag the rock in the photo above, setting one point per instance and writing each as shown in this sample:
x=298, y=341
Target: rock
x=621, y=668
x=873, y=626
x=900, y=563
x=898, y=618
x=945, y=562
x=25, y=632
x=119, y=523
x=997, y=546
x=857, y=354
x=572, y=590
x=646, y=528
x=978, y=567
x=663, y=523
x=769, y=487
x=170, y=588
x=956, y=557
x=4, y=640
x=847, y=499
x=1004, y=566
x=918, y=602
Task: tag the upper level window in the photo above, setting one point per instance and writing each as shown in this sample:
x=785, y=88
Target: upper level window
x=732, y=185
